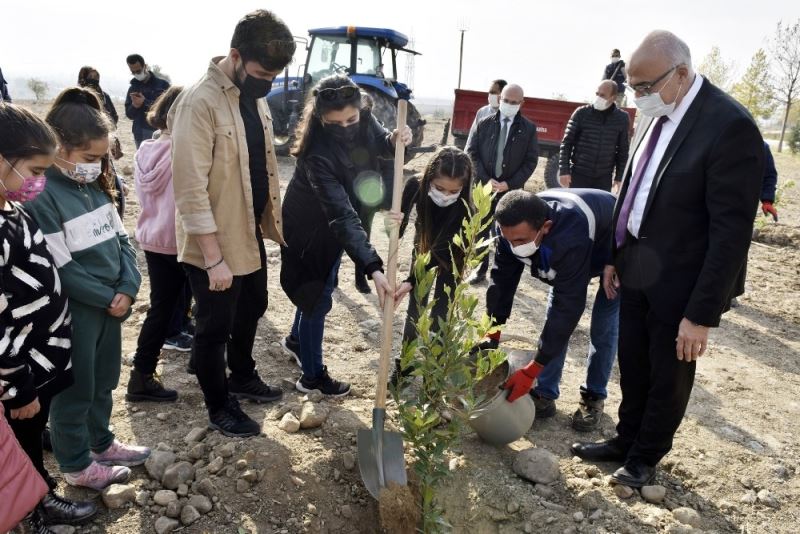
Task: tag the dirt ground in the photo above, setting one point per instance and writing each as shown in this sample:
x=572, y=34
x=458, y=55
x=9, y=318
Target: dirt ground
x=739, y=435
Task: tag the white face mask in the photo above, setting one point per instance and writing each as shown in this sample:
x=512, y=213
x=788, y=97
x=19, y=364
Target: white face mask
x=441, y=199
x=653, y=105
x=526, y=250
x=84, y=173
x=494, y=101
x=142, y=76
x=509, y=110
x=601, y=104
x=614, y=59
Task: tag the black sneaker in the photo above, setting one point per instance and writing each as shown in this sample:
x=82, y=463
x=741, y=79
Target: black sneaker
x=291, y=345
x=253, y=389
x=326, y=384
x=142, y=387
x=181, y=343
x=476, y=278
x=545, y=408
x=231, y=421
x=56, y=510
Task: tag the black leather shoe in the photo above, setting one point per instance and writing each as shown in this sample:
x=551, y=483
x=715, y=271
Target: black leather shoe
x=148, y=387
x=55, y=510
x=634, y=474
x=604, y=451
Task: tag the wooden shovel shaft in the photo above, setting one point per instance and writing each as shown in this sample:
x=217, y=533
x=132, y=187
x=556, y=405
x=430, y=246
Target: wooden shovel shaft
x=391, y=261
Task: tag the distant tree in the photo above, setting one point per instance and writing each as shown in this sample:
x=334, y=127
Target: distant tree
x=754, y=89
x=794, y=139
x=785, y=51
x=716, y=69
x=38, y=87
x=157, y=71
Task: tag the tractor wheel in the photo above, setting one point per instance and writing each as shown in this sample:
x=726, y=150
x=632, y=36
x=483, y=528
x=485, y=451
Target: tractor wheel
x=283, y=134
x=385, y=110
x=551, y=172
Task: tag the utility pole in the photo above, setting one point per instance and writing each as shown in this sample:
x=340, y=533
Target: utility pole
x=463, y=26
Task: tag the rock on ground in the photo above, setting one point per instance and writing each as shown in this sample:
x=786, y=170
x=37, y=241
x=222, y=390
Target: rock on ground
x=312, y=415
x=196, y=434
x=201, y=503
x=623, y=492
x=189, y=515
x=158, y=462
x=767, y=498
x=165, y=524
x=164, y=497
x=537, y=465
x=289, y=423
x=687, y=516
x=118, y=495
x=654, y=494
x=177, y=474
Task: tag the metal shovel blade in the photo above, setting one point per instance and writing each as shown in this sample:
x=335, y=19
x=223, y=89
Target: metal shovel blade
x=380, y=456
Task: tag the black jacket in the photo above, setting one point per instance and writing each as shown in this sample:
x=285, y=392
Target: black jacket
x=519, y=158
x=698, y=219
x=320, y=211
x=595, y=144
x=151, y=89
x=4, y=96
x=574, y=251
x=616, y=72
x=111, y=111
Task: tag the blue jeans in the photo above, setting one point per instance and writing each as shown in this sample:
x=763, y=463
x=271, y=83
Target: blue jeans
x=603, y=334
x=309, y=328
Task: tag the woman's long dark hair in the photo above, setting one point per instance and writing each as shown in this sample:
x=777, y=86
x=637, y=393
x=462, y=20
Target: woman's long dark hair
x=316, y=107
x=450, y=162
x=23, y=135
x=78, y=118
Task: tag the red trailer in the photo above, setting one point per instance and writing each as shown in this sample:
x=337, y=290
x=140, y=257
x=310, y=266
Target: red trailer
x=550, y=116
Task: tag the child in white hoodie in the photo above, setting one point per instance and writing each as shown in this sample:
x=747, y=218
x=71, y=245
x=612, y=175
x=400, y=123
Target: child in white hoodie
x=155, y=232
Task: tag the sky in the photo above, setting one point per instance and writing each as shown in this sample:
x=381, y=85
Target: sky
x=549, y=48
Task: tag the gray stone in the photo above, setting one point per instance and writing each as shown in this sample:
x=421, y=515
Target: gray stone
x=216, y=465
x=347, y=512
x=654, y=494
x=189, y=515
x=687, y=516
x=227, y=450
x=183, y=490
x=349, y=461
x=312, y=415
x=196, y=434
x=537, y=465
x=173, y=509
x=162, y=416
x=512, y=507
x=200, y=450
x=251, y=476
x=207, y=488
x=242, y=486
x=577, y=517
x=142, y=497
x=177, y=474
x=749, y=498
x=164, y=497
x=158, y=462
x=289, y=423
x=201, y=503
x=767, y=498
x=241, y=464
x=118, y=495
x=165, y=525
x=314, y=395
x=622, y=491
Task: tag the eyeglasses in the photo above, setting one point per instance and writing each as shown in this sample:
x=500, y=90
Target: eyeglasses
x=332, y=94
x=646, y=88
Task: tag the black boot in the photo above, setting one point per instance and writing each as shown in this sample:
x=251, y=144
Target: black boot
x=55, y=510
x=34, y=523
x=142, y=387
x=361, y=281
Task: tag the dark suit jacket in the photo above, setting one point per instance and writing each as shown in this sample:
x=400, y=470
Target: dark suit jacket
x=698, y=220
x=520, y=156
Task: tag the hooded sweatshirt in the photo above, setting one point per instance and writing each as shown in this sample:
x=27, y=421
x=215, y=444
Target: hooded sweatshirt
x=155, y=229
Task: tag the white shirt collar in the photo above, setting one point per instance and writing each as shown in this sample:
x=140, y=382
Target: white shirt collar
x=680, y=110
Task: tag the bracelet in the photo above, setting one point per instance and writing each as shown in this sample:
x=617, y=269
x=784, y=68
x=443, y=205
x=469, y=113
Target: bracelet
x=209, y=267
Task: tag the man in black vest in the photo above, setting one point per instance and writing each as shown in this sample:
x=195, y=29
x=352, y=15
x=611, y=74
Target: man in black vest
x=505, y=152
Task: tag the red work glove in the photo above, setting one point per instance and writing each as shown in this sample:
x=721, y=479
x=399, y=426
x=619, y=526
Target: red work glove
x=768, y=209
x=521, y=382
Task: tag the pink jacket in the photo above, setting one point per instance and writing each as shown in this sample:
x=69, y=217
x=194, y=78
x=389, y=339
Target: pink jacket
x=155, y=229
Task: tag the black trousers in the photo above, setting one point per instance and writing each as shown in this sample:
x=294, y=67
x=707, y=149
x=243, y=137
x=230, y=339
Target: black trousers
x=367, y=215
x=29, y=434
x=655, y=384
x=491, y=231
x=440, y=305
x=226, y=321
x=591, y=182
x=167, y=296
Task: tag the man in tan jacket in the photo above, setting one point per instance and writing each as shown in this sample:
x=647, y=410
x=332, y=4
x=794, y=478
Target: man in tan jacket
x=225, y=176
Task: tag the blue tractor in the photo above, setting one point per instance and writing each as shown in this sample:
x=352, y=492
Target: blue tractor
x=359, y=52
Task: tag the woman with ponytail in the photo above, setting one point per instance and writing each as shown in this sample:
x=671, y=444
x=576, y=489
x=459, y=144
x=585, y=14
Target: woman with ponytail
x=97, y=267
x=337, y=173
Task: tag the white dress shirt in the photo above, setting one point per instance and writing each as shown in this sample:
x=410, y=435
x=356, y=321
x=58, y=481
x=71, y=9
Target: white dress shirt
x=667, y=131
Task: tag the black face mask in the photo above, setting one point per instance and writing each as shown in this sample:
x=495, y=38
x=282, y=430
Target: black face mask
x=252, y=87
x=343, y=134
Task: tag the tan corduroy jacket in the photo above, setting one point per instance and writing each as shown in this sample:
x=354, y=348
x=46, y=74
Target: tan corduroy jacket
x=211, y=174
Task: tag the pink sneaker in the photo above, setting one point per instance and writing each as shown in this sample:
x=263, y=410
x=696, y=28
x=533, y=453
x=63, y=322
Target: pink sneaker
x=122, y=454
x=98, y=477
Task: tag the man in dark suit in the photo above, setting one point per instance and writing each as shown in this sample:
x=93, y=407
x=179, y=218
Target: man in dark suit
x=682, y=224
x=505, y=152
